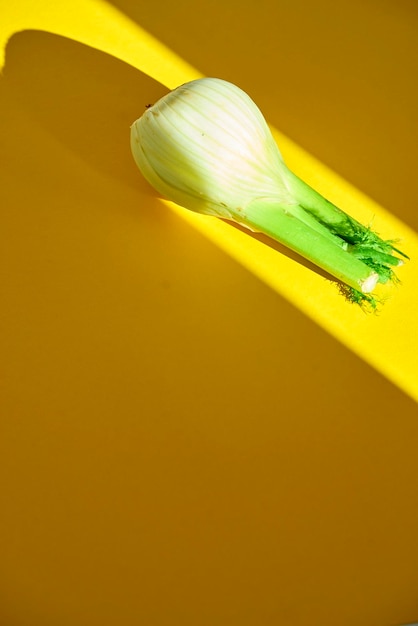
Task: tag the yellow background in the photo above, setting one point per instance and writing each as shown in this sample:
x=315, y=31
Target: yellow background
x=196, y=429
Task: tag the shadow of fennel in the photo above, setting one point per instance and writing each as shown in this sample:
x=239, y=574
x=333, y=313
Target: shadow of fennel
x=84, y=98
x=87, y=100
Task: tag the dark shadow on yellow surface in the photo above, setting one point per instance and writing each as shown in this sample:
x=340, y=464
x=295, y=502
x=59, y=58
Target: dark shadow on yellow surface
x=179, y=444
x=87, y=100
x=336, y=77
x=84, y=98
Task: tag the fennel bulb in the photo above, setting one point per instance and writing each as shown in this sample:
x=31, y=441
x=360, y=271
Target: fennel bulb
x=207, y=147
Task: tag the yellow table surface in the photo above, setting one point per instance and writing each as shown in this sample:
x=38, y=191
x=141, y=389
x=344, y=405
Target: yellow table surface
x=195, y=428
